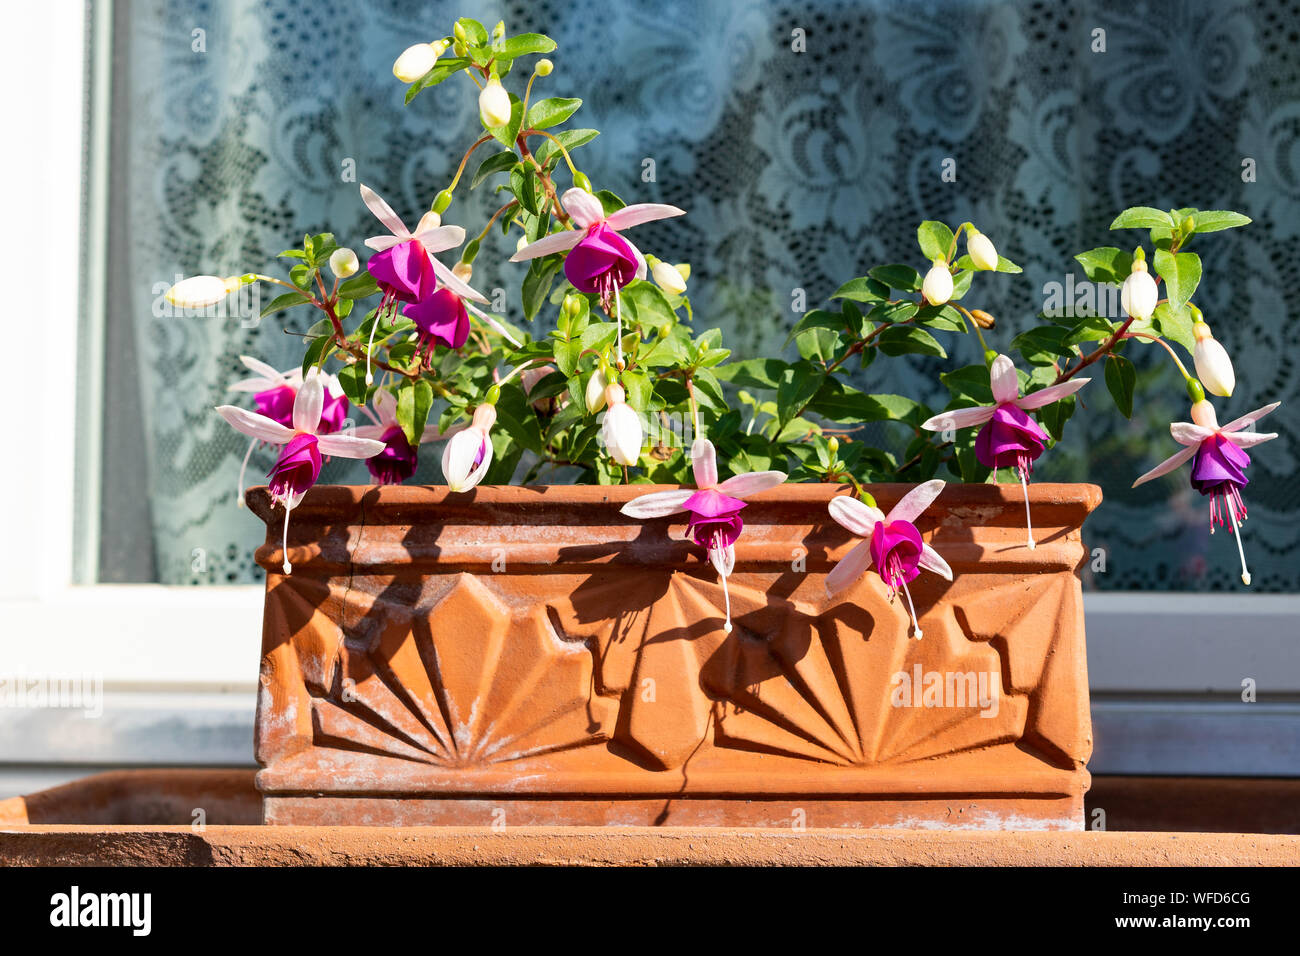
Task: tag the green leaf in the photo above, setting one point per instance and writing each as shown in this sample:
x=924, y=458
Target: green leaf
x=301, y=276
x=497, y=163
x=1006, y=265
x=1142, y=217
x=1042, y=345
x=1175, y=324
x=864, y=289
x=515, y=416
x=352, y=379
x=755, y=373
x=897, y=277
x=668, y=351
x=525, y=43
x=609, y=202
x=1213, y=220
x=821, y=344
x=414, y=399
x=316, y=351
x=552, y=111
x=708, y=387
x=961, y=283
x=1092, y=329
x=893, y=312
x=798, y=385
x=599, y=336
x=286, y=301
x=359, y=286
x=1106, y=264
x=1121, y=377
x=475, y=33
x=903, y=339
x=935, y=239
x=444, y=68
x=942, y=317
x=841, y=403
x=1181, y=272
x=649, y=306
x=567, y=354
x=969, y=382
x=816, y=319
x=524, y=184
x=1055, y=415
x=570, y=138
x=537, y=282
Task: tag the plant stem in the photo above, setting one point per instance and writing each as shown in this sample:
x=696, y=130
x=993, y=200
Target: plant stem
x=563, y=152
x=1096, y=353
x=460, y=170
x=1163, y=344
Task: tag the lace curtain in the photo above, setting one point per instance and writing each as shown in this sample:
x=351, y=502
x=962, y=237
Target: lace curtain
x=799, y=170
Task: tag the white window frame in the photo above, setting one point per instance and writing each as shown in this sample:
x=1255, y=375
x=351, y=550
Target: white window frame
x=1166, y=669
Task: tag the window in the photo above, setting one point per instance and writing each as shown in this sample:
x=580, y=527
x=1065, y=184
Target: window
x=214, y=133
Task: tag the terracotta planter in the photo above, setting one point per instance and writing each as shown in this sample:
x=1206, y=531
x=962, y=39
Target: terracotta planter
x=525, y=656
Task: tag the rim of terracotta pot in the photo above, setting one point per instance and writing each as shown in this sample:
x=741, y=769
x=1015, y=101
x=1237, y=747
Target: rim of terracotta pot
x=579, y=527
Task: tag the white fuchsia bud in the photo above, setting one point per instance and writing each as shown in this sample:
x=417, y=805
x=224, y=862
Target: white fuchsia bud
x=595, y=393
x=1139, y=294
x=981, y=251
x=463, y=271
x=430, y=220
x=468, y=454
x=1203, y=415
x=344, y=263
x=1213, y=364
x=669, y=278
x=494, y=104
x=621, y=430
x=937, y=287
x=199, y=292
x=415, y=61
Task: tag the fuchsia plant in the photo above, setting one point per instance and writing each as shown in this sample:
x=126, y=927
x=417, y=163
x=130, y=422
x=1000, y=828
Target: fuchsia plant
x=622, y=388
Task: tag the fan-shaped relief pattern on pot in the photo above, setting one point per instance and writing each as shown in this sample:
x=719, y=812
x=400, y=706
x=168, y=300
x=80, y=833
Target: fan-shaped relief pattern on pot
x=849, y=687
x=467, y=682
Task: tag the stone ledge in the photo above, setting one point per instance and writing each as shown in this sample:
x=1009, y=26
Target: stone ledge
x=630, y=846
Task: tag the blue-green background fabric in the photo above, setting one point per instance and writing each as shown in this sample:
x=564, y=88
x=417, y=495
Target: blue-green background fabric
x=798, y=171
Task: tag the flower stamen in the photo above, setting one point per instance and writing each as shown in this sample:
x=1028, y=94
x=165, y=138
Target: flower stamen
x=719, y=549
x=1236, y=530
x=1025, y=467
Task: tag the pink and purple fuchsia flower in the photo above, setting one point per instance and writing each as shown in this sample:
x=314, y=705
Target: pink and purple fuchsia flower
x=602, y=260
x=715, y=523
x=299, y=463
x=1219, y=463
x=405, y=267
x=274, y=394
x=399, y=459
x=440, y=319
x=892, y=544
x=1009, y=438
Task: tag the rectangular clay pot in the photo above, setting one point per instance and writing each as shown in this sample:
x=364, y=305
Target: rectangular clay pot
x=527, y=656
